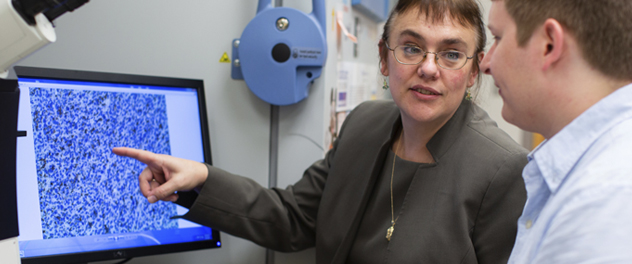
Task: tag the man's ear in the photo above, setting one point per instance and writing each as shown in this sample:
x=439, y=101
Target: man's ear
x=554, y=41
x=383, y=57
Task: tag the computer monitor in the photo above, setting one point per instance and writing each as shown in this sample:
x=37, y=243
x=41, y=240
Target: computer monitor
x=77, y=201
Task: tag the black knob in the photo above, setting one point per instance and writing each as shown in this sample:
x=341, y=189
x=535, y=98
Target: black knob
x=281, y=52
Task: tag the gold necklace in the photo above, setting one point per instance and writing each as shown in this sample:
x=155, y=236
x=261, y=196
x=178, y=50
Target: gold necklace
x=389, y=231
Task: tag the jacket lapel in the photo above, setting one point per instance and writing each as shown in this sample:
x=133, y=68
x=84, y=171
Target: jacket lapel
x=354, y=175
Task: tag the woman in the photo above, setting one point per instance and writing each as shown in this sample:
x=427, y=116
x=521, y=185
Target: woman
x=426, y=178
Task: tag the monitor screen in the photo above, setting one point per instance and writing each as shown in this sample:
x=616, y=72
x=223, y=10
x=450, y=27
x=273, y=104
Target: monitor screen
x=77, y=201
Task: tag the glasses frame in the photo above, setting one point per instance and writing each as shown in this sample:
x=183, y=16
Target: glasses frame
x=426, y=55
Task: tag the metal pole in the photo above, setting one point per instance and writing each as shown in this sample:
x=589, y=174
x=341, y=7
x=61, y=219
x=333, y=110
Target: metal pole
x=274, y=146
x=273, y=163
x=274, y=151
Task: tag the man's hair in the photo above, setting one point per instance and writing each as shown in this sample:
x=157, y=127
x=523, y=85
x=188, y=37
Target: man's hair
x=464, y=12
x=602, y=29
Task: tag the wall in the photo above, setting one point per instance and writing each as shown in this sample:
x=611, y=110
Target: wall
x=186, y=39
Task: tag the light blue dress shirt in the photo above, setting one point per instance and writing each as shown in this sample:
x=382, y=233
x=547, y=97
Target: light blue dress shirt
x=579, y=188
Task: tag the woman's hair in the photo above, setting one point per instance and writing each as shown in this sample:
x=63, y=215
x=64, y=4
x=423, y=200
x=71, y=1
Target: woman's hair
x=465, y=12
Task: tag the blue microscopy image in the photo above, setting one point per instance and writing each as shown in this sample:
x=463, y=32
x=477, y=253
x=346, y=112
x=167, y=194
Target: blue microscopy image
x=84, y=188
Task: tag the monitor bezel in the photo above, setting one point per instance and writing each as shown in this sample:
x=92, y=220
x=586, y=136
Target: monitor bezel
x=133, y=79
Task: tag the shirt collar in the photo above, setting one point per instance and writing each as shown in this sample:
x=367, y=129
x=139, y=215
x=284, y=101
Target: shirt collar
x=557, y=156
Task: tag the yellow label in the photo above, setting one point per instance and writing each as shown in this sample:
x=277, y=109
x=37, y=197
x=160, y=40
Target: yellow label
x=224, y=58
x=333, y=19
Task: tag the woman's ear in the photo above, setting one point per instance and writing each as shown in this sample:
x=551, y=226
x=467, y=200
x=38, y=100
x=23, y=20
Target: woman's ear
x=383, y=57
x=475, y=70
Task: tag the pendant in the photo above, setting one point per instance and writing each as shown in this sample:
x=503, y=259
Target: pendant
x=389, y=232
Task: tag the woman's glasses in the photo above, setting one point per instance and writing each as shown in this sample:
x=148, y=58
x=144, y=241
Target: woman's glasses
x=412, y=54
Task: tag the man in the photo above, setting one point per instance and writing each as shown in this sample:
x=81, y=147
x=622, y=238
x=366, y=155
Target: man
x=564, y=70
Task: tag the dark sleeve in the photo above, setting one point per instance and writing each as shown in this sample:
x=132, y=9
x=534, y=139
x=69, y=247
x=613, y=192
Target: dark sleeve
x=496, y=224
x=280, y=219
x=186, y=199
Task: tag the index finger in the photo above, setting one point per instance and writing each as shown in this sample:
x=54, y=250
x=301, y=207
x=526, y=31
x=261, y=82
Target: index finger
x=138, y=154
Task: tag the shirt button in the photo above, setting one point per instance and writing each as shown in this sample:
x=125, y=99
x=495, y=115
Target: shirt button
x=529, y=224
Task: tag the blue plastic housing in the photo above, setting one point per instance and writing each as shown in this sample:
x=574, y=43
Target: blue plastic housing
x=301, y=52
x=375, y=9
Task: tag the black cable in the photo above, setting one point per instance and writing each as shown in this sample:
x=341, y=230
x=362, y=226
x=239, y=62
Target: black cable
x=63, y=7
x=52, y=9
